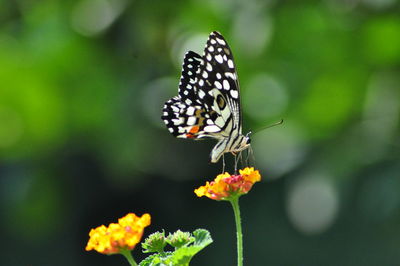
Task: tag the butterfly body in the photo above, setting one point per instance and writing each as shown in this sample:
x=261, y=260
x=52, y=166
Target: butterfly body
x=208, y=101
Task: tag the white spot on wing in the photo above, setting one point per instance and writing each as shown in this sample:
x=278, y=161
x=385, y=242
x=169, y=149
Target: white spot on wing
x=234, y=94
x=190, y=110
x=219, y=58
x=226, y=85
x=230, y=75
x=220, y=41
x=191, y=121
x=218, y=85
x=201, y=94
x=178, y=121
x=211, y=129
x=230, y=64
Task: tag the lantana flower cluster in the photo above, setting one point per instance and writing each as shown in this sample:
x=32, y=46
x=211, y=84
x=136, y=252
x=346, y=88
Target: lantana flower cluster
x=226, y=186
x=123, y=235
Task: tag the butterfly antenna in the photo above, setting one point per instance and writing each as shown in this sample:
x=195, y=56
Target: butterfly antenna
x=269, y=126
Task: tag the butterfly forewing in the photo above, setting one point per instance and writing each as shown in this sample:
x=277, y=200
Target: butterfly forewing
x=187, y=84
x=218, y=86
x=218, y=67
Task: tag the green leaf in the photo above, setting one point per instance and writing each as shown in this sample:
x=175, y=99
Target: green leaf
x=202, y=238
x=157, y=260
x=182, y=255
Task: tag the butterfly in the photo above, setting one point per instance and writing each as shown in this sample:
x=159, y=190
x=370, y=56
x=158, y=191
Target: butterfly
x=208, y=101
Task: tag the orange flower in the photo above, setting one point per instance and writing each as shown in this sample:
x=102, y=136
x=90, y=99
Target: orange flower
x=117, y=236
x=226, y=186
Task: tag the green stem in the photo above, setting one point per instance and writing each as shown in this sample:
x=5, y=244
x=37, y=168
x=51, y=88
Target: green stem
x=128, y=255
x=239, y=235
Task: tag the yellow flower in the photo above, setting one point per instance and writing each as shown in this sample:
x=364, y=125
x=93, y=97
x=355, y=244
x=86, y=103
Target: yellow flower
x=117, y=236
x=226, y=186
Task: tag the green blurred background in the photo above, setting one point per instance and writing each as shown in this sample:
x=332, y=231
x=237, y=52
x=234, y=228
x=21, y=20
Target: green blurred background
x=82, y=85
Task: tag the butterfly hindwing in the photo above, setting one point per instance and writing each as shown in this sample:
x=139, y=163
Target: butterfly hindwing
x=186, y=121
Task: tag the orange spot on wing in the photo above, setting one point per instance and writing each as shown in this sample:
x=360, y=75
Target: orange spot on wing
x=192, y=131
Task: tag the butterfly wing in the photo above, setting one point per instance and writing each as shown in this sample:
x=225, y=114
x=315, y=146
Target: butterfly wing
x=208, y=102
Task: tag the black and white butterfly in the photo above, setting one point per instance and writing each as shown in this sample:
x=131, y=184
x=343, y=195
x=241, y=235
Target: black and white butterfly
x=208, y=101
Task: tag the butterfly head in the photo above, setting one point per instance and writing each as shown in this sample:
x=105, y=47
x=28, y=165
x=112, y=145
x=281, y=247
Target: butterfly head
x=245, y=143
x=248, y=137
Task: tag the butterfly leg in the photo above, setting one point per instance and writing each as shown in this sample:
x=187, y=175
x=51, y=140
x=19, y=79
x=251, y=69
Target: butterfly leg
x=223, y=163
x=250, y=155
x=235, y=164
x=236, y=158
x=241, y=158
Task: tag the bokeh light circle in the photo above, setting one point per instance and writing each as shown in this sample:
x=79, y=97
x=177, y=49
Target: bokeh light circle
x=312, y=204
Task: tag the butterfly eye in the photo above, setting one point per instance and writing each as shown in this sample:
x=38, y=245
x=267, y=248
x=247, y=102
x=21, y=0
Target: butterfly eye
x=248, y=141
